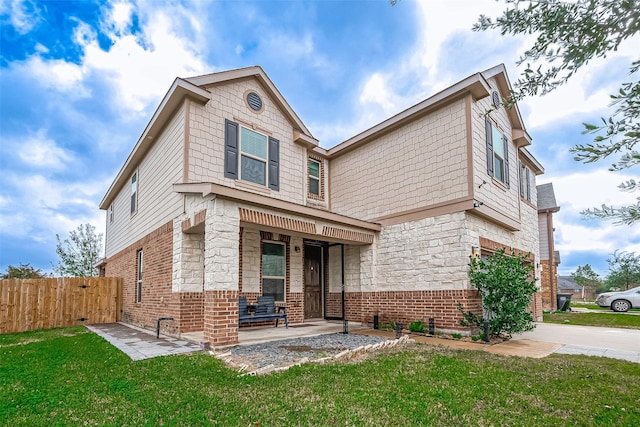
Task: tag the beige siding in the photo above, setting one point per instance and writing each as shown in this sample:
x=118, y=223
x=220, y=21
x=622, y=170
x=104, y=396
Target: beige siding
x=157, y=203
x=206, y=142
x=493, y=194
x=544, y=237
x=418, y=165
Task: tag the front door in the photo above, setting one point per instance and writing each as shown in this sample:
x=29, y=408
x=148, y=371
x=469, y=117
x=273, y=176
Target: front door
x=312, y=282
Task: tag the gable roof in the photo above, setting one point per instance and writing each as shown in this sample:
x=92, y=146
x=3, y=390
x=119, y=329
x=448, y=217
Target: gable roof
x=547, y=198
x=477, y=85
x=259, y=74
x=195, y=88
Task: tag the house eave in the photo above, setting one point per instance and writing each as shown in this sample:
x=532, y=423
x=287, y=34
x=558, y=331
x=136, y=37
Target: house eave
x=222, y=191
x=476, y=85
x=179, y=90
x=258, y=73
x=536, y=166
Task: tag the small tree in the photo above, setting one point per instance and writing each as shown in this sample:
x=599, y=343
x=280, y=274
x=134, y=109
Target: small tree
x=507, y=285
x=624, y=270
x=587, y=278
x=23, y=271
x=79, y=253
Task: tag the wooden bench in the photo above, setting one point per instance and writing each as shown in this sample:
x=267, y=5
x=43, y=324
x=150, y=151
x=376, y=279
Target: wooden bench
x=265, y=310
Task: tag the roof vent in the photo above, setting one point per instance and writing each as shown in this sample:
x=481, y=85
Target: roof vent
x=254, y=101
x=495, y=98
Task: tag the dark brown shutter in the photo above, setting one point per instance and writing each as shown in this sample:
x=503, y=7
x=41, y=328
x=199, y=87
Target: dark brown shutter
x=230, y=149
x=528, y=185
x=487, y=125
x=506, y=160
x=274, y=164
x=521, y=178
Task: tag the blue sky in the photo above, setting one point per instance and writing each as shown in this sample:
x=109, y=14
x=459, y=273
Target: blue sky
x=80, y=79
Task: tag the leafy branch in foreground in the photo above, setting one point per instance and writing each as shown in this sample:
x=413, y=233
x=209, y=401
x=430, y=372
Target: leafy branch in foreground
x=568, y=36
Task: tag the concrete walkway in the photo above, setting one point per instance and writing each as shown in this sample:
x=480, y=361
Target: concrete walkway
x=617, y=343
x=141, y=344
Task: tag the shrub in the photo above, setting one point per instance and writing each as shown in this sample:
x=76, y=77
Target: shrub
x=506, y=284
x=416, y=326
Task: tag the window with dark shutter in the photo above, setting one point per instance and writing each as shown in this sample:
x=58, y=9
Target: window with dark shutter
x=489, y=134
x=230, y=149
x=505, y=145
x=521, y=178
x=274, y=164
x=528, y=179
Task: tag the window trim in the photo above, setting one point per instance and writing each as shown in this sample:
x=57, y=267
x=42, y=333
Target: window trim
x=490, y=126
x=316, y=178
x=134, y=193
x=242, y=153
x=139, y=275
x=284, y=262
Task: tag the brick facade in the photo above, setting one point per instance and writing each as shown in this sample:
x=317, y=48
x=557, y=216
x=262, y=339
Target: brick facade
x=549, y=285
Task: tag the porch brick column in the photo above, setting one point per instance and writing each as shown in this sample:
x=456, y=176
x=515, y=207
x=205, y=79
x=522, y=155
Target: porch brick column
x=221, y=272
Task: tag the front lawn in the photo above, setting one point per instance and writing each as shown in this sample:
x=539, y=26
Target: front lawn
x=594, y=306
x=615, y=320
x=73, y=377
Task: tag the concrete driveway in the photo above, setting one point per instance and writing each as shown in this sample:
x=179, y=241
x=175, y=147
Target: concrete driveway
x=591, y=340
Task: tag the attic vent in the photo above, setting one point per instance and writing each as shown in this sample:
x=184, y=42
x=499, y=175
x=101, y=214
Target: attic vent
x=495, y=98
x=254, y=101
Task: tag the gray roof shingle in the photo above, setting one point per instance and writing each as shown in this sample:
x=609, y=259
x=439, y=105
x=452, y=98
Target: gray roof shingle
x=547, y=198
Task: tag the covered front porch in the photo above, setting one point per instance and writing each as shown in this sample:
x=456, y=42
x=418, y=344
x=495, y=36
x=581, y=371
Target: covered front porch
x=229, y=249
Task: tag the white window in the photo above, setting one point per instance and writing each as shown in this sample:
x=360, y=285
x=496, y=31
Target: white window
x=314, y=177
x=499, y=149
x=273, y=270
x=139, y=259
x=134, y=192
x=497, y=153
x=253, y=156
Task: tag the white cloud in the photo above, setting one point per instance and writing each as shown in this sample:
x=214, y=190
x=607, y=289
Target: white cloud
x=24, y=15
x=55, y=74
x=40, y=152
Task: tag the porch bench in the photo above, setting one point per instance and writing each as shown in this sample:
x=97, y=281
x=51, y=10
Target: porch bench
x=264, y=311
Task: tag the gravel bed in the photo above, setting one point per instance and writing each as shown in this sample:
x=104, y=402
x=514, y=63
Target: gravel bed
x=287, y=352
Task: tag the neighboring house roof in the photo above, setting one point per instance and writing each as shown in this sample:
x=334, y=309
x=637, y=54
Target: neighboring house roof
x=547, y=198
x=567, y=283
x=476, y=84
x=192, y=88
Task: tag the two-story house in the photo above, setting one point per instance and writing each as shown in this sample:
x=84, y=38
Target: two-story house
x=227, y=193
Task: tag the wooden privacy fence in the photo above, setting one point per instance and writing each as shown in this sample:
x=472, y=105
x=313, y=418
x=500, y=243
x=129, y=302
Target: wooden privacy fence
x=28, y=304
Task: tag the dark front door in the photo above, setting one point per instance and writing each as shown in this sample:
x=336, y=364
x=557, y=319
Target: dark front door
x=312, y=282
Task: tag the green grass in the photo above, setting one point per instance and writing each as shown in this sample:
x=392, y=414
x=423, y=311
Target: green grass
x=595, y=306
x=616, y=320
x=72, y=377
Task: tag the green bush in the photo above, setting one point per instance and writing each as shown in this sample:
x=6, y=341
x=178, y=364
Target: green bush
x=416, y=326
x=506, y=285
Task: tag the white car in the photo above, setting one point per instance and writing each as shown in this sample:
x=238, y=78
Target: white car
x=620, y=301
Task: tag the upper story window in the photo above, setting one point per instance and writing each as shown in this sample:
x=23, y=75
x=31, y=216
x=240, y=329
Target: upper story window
x=134, y=192
x=251, y=156
x=525, y=182
x=314, y=177
x=497, y=153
